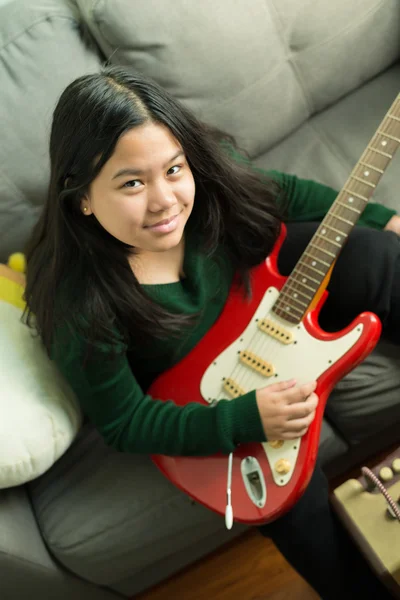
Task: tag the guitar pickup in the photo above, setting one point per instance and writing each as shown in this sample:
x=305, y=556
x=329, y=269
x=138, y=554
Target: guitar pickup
x=276, y=331
x=256, y=363
x=232, y=388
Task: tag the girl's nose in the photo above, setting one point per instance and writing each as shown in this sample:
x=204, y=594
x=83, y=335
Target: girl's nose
x=161, y=197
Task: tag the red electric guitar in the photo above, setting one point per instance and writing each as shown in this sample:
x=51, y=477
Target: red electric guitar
x=273, y=337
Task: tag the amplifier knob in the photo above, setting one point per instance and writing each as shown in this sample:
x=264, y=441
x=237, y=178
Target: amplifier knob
x=396, y=465
x=386, y=474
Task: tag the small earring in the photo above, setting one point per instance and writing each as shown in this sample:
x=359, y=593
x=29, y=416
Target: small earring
x=85, y=209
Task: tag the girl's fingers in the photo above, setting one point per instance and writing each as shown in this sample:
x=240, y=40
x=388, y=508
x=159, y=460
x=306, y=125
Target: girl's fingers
x=301, y=410
x=297, y=425
x=301, y=393
x=281, y=386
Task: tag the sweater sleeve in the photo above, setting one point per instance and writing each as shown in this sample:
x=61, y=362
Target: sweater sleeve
x=308, y=200
x=131, y=421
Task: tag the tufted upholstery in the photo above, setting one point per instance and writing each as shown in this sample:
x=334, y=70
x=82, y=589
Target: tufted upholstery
x=299, y=58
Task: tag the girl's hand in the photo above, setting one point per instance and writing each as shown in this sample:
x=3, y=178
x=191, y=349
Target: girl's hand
x=393, y=224
x=286, y=411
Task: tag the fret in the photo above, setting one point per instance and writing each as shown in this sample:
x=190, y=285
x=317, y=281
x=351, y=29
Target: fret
x=308, y=277
x=363, y=181
x=349, y=207
x=334, y=229
x=356, y=195
x=289, y=308
x=290, y=318
x=315, y=260
x=392, y=117
x=381, y=171
x=391, y=137
x=308, y=287
x=297, y=291
x=323, y=249
x=380, y=152
x=295, y=299
x=314, y=269
x=323, y=237
x=342, y=218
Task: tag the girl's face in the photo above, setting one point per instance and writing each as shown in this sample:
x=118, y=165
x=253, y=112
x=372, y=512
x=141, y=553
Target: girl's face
x=144, y=193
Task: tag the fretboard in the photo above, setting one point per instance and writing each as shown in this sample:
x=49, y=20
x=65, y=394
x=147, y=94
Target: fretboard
x=312, y=268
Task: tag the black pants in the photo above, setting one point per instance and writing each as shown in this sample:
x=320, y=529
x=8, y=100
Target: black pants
x=366, y=277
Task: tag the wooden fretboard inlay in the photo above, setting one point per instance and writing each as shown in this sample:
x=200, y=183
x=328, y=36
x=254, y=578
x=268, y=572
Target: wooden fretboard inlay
x=310, y=271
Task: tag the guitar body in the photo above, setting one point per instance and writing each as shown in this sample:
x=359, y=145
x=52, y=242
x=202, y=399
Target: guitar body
x=266, y=480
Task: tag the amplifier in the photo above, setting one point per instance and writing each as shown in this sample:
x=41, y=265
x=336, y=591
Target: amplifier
x=369, y=508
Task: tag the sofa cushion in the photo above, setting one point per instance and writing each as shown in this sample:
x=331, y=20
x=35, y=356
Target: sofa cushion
x=41, y=51
x=256, y=69
x=26, y=567
x=115, y=520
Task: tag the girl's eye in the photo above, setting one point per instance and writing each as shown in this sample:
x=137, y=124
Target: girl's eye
x=128, y=183
x=132, y=182
x=174, y=167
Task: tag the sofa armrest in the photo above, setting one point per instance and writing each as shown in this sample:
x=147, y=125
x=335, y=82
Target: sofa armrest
x=26, y=567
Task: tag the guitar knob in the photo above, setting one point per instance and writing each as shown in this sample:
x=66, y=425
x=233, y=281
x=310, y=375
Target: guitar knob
x=386, y=474
x=396, y=465
x=282, y=466
x=276, y=443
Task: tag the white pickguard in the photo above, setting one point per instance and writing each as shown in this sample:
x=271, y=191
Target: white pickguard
x=305, y=360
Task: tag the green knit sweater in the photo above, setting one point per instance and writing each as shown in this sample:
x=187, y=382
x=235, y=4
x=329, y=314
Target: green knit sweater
x=111, y=392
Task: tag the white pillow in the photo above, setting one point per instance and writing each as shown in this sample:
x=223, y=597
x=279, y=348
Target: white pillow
x=39, y=413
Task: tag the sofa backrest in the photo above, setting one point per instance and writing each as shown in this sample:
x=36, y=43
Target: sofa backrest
x=257, y=68
x=41, y=51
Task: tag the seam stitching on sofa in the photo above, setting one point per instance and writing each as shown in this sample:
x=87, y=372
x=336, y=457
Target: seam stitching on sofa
x=65, y=571
x=296, y=72
x=12, y=184
x=56, y=547
x=347, y=29
x=34, y=24
x=332, y=147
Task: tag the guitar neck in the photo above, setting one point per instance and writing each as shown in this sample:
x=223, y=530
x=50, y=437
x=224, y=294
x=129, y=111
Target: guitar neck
x=313, y=267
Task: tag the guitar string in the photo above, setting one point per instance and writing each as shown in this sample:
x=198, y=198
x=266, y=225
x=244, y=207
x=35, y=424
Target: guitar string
x=261, y=348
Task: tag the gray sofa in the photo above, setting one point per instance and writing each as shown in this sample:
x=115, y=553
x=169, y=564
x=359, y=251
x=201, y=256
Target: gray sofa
x=303, y=85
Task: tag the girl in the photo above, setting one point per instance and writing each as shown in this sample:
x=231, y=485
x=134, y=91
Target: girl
x=148, y=216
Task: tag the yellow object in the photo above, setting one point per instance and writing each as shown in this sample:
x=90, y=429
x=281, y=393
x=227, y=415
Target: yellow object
x=12, y=281
x=17, y=262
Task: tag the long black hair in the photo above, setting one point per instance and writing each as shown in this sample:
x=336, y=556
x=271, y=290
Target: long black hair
x=78, y=273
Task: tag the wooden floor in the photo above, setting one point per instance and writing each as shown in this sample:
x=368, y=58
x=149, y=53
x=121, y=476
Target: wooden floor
x=249, y=568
